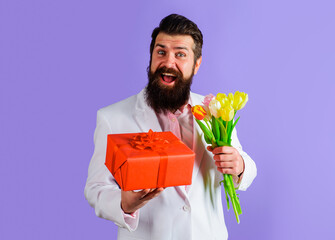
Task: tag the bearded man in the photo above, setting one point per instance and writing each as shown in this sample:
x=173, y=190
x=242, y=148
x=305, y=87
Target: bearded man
x=182, y=212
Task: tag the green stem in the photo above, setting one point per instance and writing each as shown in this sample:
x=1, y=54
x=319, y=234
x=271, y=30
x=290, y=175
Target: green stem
x=215, y=128
x=223, y=132
x=207, y=125
x=228, y=183
x=205, y=129
x=229, y=187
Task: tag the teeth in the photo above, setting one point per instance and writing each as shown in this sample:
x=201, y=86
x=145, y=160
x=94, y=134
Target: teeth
x=169, y=74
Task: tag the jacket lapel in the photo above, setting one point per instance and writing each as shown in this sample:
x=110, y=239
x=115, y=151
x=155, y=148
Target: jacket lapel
x=198, y=144
x=144, y=116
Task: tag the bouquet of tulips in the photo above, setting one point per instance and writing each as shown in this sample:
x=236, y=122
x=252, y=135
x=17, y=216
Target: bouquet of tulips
x=217, y=115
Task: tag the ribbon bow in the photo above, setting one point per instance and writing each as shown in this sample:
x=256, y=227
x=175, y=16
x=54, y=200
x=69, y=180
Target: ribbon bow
x=148, y=140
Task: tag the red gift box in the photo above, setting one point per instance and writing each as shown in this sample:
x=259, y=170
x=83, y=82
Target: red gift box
x=149, y=160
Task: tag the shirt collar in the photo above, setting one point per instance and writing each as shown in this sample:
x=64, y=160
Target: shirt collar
x=187, y=106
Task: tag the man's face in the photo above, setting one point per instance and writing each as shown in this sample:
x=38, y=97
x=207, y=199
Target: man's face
x=174, y=52
x=171, y=71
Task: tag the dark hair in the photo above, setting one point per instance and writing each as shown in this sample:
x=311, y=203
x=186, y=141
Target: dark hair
x=175, y=24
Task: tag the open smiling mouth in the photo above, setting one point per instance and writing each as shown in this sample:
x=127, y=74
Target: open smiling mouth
x=168, y=78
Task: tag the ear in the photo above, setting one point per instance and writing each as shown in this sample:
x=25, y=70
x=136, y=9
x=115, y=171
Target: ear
x=197, y=65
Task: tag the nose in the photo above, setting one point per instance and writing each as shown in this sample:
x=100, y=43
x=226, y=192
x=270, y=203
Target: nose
x=169, y=60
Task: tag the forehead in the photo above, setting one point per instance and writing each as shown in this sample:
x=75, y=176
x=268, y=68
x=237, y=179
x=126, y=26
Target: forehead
x=174, y=40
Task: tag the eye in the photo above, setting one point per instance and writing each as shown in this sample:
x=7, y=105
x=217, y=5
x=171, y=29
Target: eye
x=180, y=54
x=161, y=52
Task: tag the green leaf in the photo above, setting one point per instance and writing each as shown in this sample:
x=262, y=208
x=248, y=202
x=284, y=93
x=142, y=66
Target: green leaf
x=223, y=133
x=235, y=123
x=208, y=141
x=229, y=131
x=215, y=128
x=205, y=130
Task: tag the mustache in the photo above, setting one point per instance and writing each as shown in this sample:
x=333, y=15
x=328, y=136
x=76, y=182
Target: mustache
x=162, y=70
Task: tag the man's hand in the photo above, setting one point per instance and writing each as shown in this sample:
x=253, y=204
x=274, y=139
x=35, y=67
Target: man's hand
x=131, y=201
x=228, y=160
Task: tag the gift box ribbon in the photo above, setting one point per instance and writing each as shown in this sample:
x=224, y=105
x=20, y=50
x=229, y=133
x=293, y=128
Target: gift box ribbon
x=153, y=142
x=148, y=141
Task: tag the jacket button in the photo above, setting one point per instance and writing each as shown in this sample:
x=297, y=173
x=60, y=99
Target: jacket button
x=186, y=208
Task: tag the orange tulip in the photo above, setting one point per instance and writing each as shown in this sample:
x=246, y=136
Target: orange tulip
x=199, y=112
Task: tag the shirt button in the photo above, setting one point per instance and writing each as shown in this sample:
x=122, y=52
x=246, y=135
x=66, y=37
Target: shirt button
x=186, y=208
x=173, y=119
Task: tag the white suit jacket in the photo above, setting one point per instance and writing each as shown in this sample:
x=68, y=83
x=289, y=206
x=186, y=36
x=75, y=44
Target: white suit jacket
x=175, y=214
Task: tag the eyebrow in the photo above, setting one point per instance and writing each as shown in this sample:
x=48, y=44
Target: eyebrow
x=163, y=46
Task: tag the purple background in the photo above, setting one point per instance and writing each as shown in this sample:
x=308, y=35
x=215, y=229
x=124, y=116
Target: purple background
x=60, y=61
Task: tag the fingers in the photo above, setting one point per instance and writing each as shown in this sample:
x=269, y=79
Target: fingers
x=224, y=150
x=227, y=167
x=152, y=194
x=223, y=164
x=224, y=157
x=209, y=148
x=146, y=193
x=143, y=193
x=227, y=171
x=227, y=160
x=133, y=200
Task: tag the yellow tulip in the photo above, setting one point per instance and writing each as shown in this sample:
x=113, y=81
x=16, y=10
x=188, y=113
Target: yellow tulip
x=227, y=113
x=222, y=98
x=238, y=100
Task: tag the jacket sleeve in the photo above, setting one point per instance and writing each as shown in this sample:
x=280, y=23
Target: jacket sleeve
x=250, y=170
x=101, y=190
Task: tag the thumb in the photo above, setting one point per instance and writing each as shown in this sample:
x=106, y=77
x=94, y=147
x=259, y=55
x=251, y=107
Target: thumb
x=209, y=148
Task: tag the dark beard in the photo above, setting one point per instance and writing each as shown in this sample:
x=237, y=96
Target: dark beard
x=167, y=98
